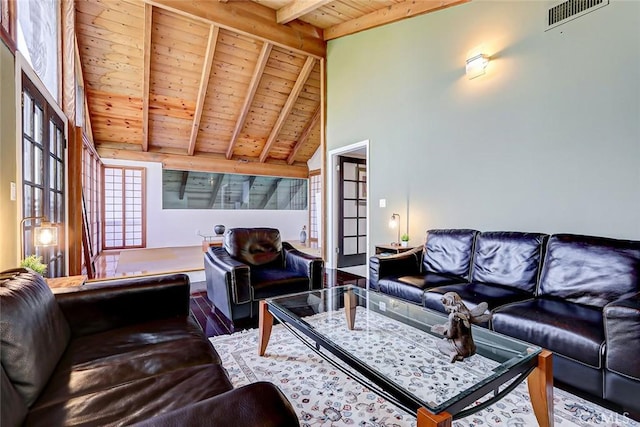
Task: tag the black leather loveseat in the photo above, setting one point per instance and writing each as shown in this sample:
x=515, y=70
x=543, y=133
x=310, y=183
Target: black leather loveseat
x=253, y=264
x=578, y=296
x=125, y=354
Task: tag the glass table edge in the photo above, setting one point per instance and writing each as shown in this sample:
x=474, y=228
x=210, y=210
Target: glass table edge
x=517, y=364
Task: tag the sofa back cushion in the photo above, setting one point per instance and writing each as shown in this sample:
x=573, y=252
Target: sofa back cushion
x=449, y=252
x=509, y=259
x=254, y=246
x=34, y=333
x=590, y=270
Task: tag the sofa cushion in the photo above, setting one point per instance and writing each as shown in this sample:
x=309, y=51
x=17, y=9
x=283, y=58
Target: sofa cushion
x=107, y=359
x=269, y=282
x=411, y=288
x=13, y=407
x=34, y=333
x=449, y=252
x=508, y=259
x=590, y=270
x=572, y=330
x=473, y=294
x=254, y=246
x=134, y=401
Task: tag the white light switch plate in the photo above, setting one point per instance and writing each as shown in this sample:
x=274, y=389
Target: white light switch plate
x=13, y=191
x=383, y=203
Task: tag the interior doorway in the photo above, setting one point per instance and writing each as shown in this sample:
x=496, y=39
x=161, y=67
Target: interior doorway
x=352, y=211
x=348, y=208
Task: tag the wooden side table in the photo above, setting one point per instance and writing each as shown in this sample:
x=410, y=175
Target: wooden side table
x=60, y=285
x=213, y=241
x=392, y=249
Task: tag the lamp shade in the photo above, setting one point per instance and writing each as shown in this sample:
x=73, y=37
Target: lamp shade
x=46, y=234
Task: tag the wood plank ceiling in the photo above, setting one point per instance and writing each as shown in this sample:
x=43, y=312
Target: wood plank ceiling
x=216, y=86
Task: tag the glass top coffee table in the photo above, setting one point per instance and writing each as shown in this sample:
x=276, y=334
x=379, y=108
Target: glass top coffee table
x=387, y=345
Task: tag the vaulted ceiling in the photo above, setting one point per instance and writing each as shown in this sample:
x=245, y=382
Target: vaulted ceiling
x=214, y=85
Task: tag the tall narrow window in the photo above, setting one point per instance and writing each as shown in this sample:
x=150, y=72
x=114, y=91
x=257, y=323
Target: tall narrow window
x=91, y=181
x=43, y=174
x=315, y=205
x=124, y=214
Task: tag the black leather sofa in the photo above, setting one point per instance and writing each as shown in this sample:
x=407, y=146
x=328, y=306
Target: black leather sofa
x=578, y=296
x=126, y=353
x=254, y=264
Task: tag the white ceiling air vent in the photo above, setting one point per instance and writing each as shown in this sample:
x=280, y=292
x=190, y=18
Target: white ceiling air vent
x=571, y=9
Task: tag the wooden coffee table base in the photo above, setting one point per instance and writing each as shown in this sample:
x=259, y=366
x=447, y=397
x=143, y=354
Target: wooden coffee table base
x=540, y=381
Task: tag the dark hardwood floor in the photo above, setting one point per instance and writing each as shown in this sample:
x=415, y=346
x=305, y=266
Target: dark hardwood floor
x=214, y=323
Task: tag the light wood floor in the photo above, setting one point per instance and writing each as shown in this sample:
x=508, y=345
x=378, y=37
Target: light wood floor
x=107, y=262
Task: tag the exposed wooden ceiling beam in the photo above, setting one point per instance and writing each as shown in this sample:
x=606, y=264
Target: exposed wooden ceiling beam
x=204, y=84
x=296, y=9
x=146, y=46
x=215, y=189
x=304, y=135
x=183, y=184
x=204, y=163
x=393, y=13
x=253, y=87
x=288, y=106
x=251, y=19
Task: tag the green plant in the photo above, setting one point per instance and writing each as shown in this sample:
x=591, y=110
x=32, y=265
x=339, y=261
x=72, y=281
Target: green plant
x=34, y=263
x=404, y=237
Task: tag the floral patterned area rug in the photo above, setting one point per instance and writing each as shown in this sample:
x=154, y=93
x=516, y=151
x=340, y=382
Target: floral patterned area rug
x=323, y=395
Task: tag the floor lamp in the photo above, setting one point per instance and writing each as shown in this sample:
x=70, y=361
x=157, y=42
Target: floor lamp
x=45, y=234
x=394, y=222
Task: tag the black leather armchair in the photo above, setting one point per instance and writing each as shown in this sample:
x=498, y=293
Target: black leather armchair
x=254, y=264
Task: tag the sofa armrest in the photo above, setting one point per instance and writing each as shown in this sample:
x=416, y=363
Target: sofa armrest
x=101, y=306
x=228, y=273
x=621, y=324
x=406, y=263
x=302, y=263
x=256, y=404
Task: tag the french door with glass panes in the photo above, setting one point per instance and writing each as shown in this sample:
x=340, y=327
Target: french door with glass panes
x=124, y=201
x=43, y=175
x=352, y=221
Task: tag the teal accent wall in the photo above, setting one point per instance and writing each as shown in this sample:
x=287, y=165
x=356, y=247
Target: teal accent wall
x=547, y=140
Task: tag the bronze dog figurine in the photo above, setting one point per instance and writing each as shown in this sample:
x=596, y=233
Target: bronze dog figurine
x=458, y=341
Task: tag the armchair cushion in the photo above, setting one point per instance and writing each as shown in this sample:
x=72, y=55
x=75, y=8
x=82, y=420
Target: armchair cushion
x=34, y=333
x=254, y=246
x=269, y=282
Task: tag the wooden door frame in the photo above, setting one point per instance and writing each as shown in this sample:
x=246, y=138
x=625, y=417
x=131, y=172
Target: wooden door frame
x=332, y=200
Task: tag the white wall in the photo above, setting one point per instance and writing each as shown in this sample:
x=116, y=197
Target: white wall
x=177, y=227
x=548, y=140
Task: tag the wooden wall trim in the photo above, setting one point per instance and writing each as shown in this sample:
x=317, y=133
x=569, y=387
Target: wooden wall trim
x=75, y=153
x=207, y=163
x=393, y=13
